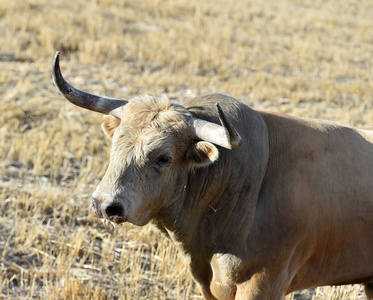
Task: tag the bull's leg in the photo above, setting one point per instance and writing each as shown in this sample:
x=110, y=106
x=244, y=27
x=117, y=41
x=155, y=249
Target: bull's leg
x=222, y=292
x=258, y=289
x=245, y=292
x=207, y=294
x=369, y=289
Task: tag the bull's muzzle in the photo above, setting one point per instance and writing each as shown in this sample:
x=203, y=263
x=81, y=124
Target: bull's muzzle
x=111, y=211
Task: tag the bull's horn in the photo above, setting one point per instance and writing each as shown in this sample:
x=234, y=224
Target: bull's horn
x=105, y=105
x=225, y=135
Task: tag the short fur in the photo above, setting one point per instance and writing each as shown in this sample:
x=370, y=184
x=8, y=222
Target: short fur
x=291, y=209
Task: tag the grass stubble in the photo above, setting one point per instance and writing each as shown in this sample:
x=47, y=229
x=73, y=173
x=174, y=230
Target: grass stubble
x=306, y=58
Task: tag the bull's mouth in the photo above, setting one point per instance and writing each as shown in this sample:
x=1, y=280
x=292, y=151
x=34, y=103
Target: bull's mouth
x=115, y=221
x=115, y=225
x=118, y=219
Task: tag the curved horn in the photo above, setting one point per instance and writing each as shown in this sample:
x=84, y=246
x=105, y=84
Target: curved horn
x=105, y=105
x=225, y=135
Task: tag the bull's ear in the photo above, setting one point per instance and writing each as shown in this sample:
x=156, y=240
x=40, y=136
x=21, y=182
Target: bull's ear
x=201, y=154
x=111, y=123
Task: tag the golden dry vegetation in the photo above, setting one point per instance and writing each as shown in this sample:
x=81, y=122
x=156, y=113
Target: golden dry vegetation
x=307, y=58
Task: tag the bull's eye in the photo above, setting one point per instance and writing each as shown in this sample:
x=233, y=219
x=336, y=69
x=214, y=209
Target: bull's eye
x=162, y=162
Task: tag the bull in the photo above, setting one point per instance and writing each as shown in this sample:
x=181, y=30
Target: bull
x=262, y=204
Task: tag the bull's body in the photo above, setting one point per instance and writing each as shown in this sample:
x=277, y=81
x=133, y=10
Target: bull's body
x=291, y=208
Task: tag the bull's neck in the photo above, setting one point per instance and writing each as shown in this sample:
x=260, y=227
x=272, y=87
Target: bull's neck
x=216, y=207
x=193, y=213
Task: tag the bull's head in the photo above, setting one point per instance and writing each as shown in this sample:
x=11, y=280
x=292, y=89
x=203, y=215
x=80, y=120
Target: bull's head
x=155, y=144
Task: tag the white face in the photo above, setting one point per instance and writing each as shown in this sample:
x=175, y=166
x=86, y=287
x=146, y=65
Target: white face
x=142, y=178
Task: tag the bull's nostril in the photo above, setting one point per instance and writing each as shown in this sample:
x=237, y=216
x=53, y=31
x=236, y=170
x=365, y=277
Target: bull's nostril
x=95, y=203
x=114, y=210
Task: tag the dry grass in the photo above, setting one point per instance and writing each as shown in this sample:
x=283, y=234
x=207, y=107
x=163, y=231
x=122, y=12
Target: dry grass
x=306, y=58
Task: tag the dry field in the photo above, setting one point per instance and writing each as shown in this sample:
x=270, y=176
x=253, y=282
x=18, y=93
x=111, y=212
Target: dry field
x=311, y=58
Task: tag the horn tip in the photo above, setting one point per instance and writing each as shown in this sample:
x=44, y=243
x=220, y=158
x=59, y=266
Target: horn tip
x=57, y=55
x=56, y=58
x=236, y=143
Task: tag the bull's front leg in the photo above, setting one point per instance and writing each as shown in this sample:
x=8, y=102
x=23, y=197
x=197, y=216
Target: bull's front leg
x=259, y=288
x=207, y=294
x=256, y=288
x=223, y=280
